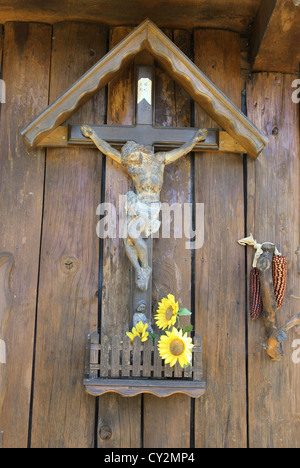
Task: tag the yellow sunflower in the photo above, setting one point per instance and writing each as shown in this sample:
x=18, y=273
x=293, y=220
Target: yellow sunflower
x=140, y=331
x=175, y=347
x=167, y=312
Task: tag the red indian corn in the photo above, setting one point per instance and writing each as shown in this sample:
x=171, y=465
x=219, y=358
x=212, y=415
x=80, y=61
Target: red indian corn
x=256, y=304
x=279, y=278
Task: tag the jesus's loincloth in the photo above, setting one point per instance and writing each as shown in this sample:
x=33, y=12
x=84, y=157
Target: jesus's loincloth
x=149, y=212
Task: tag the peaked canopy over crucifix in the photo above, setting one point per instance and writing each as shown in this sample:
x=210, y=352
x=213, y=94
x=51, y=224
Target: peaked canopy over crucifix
x=145, y=167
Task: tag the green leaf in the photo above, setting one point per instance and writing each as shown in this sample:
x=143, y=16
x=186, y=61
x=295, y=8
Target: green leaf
x=153, y=336
x=187, y=329
x=183, y=311
x=187, y=365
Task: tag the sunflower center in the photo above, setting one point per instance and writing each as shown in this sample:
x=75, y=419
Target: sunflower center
x=177, y=347
x=169, y=313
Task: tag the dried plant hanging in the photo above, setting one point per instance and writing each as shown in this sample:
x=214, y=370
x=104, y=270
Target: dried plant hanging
x=268, y=280
x=279, y=272
x=255, y=299
x=279, y=278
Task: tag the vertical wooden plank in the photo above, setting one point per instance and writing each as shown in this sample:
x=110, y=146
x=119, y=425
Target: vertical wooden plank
x=188, y=372
x=5, y=307
x=197, y=358
x=168, y=371
x=115, y=356
x=147, y=349
x=63, y=415
x=273, y=215
x=126, y=357
x=116, y=266
x=219, y=272
x=136, y=357
x=157, y=361
x=6, y=265
x=26, y=64
x=122, y=415
x=94, y=353
x=104, y=367
x=1, y=45
x=171, y=260
x=178, y=371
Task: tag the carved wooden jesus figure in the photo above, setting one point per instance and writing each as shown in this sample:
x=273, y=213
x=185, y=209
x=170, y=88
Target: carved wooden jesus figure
x=143, y=207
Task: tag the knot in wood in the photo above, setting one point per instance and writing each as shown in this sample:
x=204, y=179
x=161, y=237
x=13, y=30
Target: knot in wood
x=68, y=264
x=105, y=433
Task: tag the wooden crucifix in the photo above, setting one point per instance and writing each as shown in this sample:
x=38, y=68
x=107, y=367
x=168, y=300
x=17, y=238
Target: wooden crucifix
x=146, y=170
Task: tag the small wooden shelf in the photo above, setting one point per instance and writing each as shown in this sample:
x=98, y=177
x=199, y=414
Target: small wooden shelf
x=130, y=369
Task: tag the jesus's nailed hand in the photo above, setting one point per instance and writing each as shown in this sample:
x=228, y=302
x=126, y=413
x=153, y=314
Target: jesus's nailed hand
x=87, y=131
x=201, y=134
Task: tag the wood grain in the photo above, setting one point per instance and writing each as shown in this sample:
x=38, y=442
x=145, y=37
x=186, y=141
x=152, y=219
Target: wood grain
x=1, y=45
x=275, y=37
x=273, y=216
x=63, y=415
x=219, y=271
x=6, y=265
x=122, y=416
x=26, y=64
x=171, y=260
x=185, y=14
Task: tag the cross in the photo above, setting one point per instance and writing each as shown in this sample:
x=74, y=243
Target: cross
x=145, y=133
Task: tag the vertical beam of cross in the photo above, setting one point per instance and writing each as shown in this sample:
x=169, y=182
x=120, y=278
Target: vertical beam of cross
x=144, y=115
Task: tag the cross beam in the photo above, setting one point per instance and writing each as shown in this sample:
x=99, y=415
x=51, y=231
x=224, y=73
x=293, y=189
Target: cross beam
x=145, y=134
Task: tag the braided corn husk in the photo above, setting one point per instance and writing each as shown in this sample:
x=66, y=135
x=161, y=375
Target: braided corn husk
x=279, y=278
x=256, y=304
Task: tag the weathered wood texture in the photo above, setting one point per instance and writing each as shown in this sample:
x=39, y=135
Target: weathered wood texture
x=63, y=415
x=121, y=415
x=117, y=366
x=187, y=14
x=26, y=64
x=6, y=265
x=1, y=45
x=273, y=215
x=54, y=285
x=275, y=37
x=219, y=272
x=171, y=260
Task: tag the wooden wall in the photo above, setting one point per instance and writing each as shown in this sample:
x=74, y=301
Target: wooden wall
x=65, y=283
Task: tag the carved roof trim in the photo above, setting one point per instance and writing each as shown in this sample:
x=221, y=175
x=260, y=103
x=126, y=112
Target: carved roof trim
x=177, y=64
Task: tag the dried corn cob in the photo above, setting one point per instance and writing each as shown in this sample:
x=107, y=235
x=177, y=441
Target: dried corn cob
x=279, y=278
x=256, y=304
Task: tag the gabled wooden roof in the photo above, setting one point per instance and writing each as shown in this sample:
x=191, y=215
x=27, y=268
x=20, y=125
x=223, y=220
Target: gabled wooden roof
x=198, y=86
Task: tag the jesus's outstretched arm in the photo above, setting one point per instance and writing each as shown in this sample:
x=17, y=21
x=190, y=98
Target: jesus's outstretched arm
x=172, y=156
x=102, y=145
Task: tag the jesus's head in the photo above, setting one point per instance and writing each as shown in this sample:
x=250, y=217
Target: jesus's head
x=133, y=152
